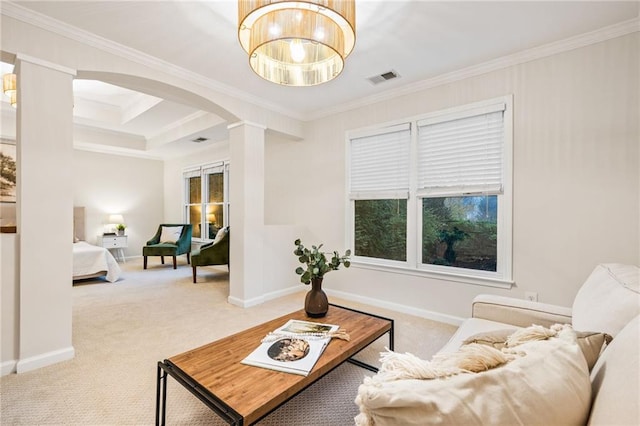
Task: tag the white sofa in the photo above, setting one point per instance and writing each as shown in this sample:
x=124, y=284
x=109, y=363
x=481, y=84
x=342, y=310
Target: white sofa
x=608, y=302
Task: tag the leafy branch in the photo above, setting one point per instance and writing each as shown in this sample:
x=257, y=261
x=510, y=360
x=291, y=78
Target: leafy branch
x=316, y=261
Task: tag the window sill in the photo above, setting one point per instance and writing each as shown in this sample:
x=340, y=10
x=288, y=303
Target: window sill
x=457, y=278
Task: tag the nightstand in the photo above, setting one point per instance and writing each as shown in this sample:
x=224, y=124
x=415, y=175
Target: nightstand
x=118, y=242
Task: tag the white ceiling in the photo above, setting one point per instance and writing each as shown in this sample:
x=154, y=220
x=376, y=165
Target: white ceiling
x=420, y=40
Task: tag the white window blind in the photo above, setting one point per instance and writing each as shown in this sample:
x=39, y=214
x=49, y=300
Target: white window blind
x=461, y=155
x=380, y=164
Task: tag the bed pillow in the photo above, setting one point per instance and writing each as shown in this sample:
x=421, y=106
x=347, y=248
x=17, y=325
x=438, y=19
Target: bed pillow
x=591, y=343
x=170, y=234
x=546, y=383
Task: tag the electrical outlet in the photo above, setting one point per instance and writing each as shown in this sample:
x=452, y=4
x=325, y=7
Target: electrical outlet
x=531, y=296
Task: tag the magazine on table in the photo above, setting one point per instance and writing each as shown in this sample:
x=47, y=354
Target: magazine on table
x=293, y=348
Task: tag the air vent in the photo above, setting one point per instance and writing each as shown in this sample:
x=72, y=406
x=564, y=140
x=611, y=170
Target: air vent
x=385, y=76
x=200, y=139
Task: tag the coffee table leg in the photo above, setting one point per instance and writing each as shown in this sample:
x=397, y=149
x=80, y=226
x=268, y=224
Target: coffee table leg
x=161, y=396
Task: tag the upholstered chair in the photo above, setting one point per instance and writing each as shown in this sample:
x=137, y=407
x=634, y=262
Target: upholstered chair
x=213, y=253
x=170, y=240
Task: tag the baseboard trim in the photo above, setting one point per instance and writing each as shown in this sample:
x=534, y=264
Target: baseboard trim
x=284, y=292
x=423, y=313
x=247, y=303
x=8, y=367
x=45, y=359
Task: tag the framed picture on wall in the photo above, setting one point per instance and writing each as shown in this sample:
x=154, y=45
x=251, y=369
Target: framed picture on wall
x=7, y=171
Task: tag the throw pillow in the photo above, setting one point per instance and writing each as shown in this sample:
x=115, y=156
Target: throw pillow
x=614, y=379
x=170, y=234
x=546, y=382
x=220, y=235
x=608, y=299
x=590, y=343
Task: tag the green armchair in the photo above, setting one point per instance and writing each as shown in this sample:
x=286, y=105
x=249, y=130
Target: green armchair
x=170, y=240
x=214, y=253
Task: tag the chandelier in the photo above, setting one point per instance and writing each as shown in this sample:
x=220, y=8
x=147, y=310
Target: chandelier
x=297, y=43
x=9, y=88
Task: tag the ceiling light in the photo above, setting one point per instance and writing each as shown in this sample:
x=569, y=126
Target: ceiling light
x=9, y=86
x=297, y=43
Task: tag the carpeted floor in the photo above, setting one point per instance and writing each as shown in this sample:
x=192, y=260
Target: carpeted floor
x=121, y=331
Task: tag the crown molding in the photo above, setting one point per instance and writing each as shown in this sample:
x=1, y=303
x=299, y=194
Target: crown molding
x=47, y=23
x=115, y=150
x=179, y=123
x=554, y=48
x=20, y=57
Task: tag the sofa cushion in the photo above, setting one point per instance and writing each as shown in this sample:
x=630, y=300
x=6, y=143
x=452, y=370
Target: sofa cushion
x=590, y=343
x=547, y=383
x=170, y=234
x=608, y=299
x=616, y=380
x=471, y=327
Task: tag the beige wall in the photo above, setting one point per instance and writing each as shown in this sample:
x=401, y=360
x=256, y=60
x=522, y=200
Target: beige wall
x=9, y=310
x=134, y=187
x=44, y=212
x=576, y=178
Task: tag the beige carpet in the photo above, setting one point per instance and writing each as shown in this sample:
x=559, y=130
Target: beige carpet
x=121, y=331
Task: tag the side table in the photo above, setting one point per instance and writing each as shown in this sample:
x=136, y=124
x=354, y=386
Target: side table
x=118, y=242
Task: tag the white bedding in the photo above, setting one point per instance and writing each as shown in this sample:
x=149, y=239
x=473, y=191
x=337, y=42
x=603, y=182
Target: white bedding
x=91, y=260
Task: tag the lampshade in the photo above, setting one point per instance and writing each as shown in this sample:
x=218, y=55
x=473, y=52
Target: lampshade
x=297, y=43
x=116, y=218
x=14, y=100
x=9, y=86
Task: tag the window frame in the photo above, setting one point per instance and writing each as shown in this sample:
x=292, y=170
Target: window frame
x=203, y=171
x=413, y=265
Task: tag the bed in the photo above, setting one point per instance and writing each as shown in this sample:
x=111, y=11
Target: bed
x=90, y=261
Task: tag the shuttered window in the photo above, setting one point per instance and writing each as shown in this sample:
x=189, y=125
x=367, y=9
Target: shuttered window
x=380, y=164
x=461, y=155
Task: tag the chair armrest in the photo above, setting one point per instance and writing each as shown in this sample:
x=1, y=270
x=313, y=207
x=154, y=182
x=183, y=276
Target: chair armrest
x=518, y=312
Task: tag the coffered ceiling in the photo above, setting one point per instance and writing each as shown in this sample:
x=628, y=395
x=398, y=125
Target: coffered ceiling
x=424, y=42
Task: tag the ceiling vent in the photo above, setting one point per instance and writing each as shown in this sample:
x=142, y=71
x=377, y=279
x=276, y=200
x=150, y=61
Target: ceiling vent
x=200, y=139
x=385, y=76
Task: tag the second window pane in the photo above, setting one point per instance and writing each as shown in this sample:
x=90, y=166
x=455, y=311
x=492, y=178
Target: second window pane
x=460, y=232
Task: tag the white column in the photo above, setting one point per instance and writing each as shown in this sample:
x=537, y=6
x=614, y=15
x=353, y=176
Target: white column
x=246, y=185
x=44, y=211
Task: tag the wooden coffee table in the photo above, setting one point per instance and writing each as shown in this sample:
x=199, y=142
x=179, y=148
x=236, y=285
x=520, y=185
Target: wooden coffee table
x=243, y=394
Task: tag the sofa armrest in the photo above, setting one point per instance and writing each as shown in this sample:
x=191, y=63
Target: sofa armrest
x=521, y=313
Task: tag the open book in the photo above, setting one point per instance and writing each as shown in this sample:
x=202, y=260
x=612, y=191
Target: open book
x=293, y=348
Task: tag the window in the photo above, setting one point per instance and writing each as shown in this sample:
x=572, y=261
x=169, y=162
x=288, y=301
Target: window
x=433, y=194
x=210, y=212
x=379, y=191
